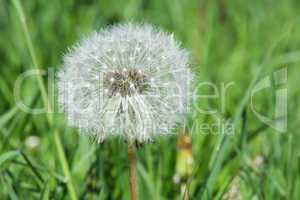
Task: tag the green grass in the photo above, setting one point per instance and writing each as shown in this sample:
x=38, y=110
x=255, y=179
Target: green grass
x=230, y=41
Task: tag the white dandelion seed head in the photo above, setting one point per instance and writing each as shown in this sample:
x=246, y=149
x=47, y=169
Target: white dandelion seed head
x=32, y=142
x=130, y=80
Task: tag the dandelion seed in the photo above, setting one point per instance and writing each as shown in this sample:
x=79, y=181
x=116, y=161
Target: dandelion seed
x=131, y=85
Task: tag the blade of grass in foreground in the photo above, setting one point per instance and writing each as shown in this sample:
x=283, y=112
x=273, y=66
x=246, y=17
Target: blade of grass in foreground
x=225, y=144
x=8, y=156
x=58, y=143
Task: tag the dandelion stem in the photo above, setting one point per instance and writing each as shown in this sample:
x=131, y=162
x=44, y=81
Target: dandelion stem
x=133, y=171
x=185, y=191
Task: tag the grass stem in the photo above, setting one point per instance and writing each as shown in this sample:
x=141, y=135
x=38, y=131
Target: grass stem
x=58, y=143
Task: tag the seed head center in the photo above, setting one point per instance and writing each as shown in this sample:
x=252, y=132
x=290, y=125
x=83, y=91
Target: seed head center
x=126, y=82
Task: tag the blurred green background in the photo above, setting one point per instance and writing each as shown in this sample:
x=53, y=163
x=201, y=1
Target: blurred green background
x=230, y=41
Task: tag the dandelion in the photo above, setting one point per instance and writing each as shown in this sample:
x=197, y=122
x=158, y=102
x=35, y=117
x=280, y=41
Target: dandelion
x=184, y=163
x=128, y=80
x=32, y=142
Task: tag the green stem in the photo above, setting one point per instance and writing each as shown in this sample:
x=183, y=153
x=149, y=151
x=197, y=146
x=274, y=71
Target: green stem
x=29, y=44
x=65, y=166
x=58, y=143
